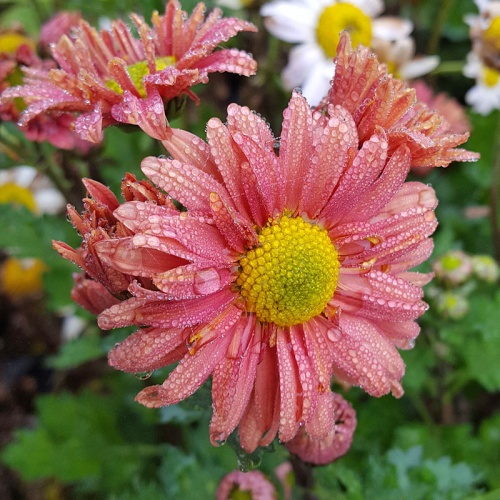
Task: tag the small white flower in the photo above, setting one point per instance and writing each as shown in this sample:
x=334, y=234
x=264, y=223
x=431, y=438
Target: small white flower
x=315, y=25
x=484, y=96
x=399, y=56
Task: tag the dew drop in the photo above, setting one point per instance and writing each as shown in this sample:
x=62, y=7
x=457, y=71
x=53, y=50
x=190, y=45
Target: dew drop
x=334, y=334
x=143, y=375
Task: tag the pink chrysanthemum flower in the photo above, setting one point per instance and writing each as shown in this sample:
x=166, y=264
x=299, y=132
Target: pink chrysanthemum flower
x=335, y=441
x=374, y=99
x=17, y=51
x=289, y=267
x=112, y=77
x=253, y=485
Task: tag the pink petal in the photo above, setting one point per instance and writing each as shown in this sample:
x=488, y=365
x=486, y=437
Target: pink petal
x=290, y=404
x=124, y=255
x=89, y=126
x=232, y=60
x=228, y=159
x=165, y=313
x=193, y=369
x=148, y=349
x=237, y=231
x=189, y=148
x=190, y=281
x=295, y=148
x=362, y=356
x=186, y=184
x=233, y=380
x=259, y=424
x=336, y=148
x=384, y=188
x=357, y=177
x=148, y=113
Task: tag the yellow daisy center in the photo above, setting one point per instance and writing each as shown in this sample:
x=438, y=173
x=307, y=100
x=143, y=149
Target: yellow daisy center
x=492, y=33
x=11, y=41
x=490, y=76
x=292, y=274
x=138, y=71
x=17, y=195
x=21, y=277
x=342, y=17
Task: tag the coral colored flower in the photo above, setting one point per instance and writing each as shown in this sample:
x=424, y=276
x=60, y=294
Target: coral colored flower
x=58, y=25
x=448, y=107
x=112, y=77
x=253, y=485
x=331, y=443
x=288, y=267
x=376, y=99
x=101, y=286
x=316, y=26
x=17, y=51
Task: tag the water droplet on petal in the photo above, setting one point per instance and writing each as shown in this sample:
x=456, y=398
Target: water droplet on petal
x=143, y=375
x=334, y=334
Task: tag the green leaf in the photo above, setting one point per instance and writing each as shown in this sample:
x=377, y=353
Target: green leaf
x=76, y=352
x=78, y=438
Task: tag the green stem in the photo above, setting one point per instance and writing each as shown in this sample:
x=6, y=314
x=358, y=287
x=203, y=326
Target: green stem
x=304, y=477
x=494, y=192
x=437, y=28
x=422, y=410
x=448, y=67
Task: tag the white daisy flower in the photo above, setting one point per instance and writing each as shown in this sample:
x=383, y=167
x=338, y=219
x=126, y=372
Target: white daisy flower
x=26, y=186
x=485, y=32
x=315, y=25
x=484, y=96
x=399, y=56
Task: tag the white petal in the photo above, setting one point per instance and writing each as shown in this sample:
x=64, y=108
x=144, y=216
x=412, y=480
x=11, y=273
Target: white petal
x=483, y=99
x=22, y=175
x=371, y=7
x=392, y=28
x=472, y=68
x=49, y=200
x=418, y=67
x=317, y=83
x=301, y=62
x=290, y=22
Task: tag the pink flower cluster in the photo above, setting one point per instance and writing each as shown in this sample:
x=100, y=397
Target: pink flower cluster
x=110, y=77
x=326, y=220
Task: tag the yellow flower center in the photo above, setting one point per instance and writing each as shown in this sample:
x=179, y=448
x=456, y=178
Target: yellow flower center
x=492, y=34
x=11, y=41
x=451, y=262
x=291, y=276
x=342, y=17
x=138, y=71
x=17, y=195
x=490, y=76
x=21, y=277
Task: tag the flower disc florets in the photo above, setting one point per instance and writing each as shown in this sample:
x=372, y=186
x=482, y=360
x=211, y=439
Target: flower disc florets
x=337, y=18
x=292, y=274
